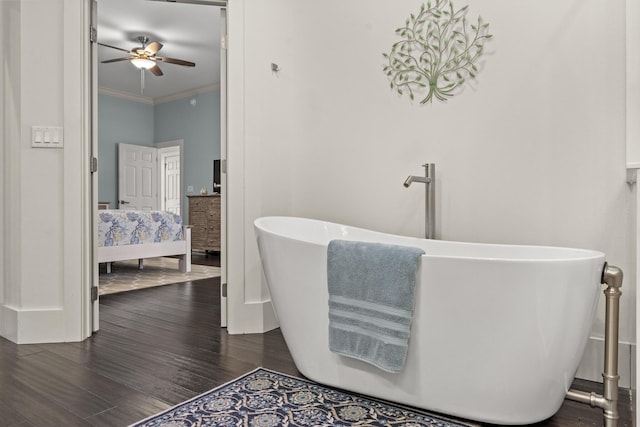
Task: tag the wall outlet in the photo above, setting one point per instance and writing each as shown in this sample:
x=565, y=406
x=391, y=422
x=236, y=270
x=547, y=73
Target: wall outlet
x=190, y=189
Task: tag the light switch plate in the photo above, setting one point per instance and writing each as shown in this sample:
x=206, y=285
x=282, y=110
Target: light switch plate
x=47, y=137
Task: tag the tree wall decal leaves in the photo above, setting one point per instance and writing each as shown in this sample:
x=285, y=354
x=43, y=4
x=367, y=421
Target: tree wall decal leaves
x=437, y=53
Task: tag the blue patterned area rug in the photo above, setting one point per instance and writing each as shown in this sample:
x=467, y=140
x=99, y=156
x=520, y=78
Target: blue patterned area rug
x=264, y=398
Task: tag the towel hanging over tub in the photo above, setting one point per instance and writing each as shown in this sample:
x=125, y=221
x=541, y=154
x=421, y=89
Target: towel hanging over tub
x=371, y=293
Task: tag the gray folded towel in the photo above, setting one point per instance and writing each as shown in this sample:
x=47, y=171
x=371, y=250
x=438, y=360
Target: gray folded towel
x=371, y=292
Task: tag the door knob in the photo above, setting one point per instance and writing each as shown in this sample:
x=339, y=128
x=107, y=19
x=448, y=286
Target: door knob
x=124, y=202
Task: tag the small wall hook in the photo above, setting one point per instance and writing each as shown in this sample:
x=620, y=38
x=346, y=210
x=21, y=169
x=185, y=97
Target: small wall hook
x=275, y=67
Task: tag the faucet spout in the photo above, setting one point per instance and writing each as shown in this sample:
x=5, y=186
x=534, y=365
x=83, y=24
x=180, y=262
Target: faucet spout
x=429, y=180
x=411, y=178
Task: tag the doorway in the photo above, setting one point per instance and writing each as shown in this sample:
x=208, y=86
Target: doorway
x=173, y=187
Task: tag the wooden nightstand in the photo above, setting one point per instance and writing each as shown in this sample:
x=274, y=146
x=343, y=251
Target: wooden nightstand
x=204, y=218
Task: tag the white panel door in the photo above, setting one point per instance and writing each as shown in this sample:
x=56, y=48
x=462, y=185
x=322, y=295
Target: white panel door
x=137, y=177
x=171, y=183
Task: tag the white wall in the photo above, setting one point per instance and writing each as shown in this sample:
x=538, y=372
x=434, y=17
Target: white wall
x=532, y=153
x=46, y=225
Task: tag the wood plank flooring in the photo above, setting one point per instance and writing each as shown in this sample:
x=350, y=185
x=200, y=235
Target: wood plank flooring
x=158, y=347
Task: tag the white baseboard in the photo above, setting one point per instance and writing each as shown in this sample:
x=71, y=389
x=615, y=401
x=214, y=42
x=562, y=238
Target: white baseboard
x=257, y=317
x=270, y=319
x=8, y=323
x=592, y=363
x=32, y=326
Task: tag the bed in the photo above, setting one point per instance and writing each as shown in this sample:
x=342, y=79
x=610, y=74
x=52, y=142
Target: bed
x=129, y=234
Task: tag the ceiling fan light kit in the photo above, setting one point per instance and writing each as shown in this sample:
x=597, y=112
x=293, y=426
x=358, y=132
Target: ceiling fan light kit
x=143, y=63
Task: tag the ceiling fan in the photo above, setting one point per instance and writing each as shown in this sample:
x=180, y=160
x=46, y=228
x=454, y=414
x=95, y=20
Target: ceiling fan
x=145, y=57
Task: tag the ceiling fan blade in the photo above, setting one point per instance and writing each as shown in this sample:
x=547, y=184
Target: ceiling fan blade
x=175, y=61
x=114, y=47
x=153, y=47
x=118, y=59
x=156, y=70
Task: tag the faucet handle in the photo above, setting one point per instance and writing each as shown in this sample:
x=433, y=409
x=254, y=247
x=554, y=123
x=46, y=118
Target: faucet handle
x=429, y=169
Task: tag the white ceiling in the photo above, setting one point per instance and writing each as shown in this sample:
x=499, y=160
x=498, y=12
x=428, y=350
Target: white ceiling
x=187, y=31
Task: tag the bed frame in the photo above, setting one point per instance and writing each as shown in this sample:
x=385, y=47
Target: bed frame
x=180, y=249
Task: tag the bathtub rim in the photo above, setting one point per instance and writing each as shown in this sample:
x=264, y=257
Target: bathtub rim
x=572, y=253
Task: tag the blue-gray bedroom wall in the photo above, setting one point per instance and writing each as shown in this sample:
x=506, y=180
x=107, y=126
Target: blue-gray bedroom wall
x=119, y=120
x=193, y=119
x=196, y=120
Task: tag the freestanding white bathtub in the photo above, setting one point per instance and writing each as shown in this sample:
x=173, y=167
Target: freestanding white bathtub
x=497, y=334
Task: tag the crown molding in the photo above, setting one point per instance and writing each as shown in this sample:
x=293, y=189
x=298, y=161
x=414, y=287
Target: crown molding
x=186, y=94
x=222, y=3
x=125, y=95
x=153, y=101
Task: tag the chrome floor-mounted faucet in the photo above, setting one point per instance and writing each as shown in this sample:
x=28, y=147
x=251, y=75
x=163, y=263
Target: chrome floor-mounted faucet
x=429, y=180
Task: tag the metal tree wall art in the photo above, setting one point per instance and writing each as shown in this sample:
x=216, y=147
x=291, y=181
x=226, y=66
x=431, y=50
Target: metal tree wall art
x=438, y=52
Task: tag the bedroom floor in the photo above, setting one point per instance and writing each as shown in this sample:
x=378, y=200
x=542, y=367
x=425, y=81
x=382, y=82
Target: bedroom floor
x=205, y=258
x=158, y=347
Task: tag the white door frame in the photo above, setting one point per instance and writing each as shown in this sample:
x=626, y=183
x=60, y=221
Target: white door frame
x=223, y=168
x=94, y=305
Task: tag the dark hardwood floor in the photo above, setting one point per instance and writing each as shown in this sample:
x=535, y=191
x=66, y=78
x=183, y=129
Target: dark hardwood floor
x=158, y=347
x=205, y=258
